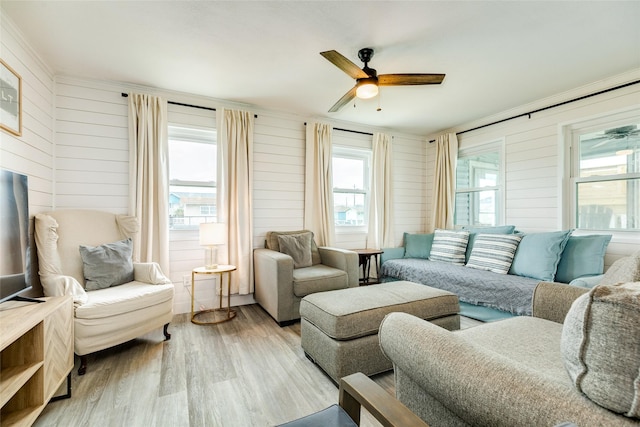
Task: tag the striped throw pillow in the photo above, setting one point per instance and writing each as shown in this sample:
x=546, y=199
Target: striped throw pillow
x=494, y=252
x=449, y=246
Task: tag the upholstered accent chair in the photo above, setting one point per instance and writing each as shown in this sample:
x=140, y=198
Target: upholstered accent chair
x=576, y=360
x=291, y=266
x=89, y=254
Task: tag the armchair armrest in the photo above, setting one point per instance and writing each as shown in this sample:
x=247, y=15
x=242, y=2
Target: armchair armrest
x=552, y=300
x=342, y=259
x=149, y=272
x=55, y=285
x=358, y=390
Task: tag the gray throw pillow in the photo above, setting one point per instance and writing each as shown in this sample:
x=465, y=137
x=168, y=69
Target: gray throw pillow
x=601, y=346
x=107, y=265
x=298, y=247
x=625, y=269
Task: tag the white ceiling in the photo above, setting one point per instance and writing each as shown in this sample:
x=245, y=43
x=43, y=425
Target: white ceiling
x=496, y=54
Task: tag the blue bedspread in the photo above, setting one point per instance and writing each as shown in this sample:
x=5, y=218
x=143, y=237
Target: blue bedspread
x=506, y=292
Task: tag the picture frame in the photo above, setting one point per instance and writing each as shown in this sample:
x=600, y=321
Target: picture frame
x=10, y=100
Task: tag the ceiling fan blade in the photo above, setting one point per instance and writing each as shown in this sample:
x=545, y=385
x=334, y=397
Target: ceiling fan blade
x=409, y=79
x=344, y=64
x=346, y=98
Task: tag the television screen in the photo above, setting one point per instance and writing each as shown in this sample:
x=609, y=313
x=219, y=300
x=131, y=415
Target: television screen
x=14, y=234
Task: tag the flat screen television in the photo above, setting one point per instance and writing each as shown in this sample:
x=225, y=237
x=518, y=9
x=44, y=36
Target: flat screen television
x=15, y=243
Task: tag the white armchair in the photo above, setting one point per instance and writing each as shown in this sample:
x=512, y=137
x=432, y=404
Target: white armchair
x=110, y=315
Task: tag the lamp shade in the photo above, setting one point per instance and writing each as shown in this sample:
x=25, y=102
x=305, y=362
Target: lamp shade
x=212, y=233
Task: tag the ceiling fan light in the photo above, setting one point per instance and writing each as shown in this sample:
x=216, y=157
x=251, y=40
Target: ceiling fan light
x=367, y=88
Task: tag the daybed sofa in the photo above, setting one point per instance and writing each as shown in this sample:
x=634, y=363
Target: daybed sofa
x=507, y=266
x=528, y=370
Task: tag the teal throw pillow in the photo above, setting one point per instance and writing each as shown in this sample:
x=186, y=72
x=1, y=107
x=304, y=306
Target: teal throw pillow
x=538, y=255
x=583, y=256
x=417, y=245
x=474, y=231
x=107, y=265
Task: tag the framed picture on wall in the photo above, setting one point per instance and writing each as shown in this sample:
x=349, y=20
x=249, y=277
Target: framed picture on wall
x=10, y=99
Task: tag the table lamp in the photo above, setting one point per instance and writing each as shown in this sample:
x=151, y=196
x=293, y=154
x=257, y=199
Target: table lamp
x=211, y=235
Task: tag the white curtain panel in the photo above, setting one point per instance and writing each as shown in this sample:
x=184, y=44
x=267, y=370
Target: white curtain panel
x=318, y=184
x=149, y=177
x=444, y=182
x=235, y=189
x=380, y=233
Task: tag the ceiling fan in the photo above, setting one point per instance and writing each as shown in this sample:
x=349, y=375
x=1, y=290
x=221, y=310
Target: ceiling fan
x=368, y=80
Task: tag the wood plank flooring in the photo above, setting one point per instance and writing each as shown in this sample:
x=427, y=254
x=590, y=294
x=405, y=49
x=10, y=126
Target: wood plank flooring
x=245, y=372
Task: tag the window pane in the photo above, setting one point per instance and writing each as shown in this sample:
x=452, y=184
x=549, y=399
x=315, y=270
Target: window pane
x=605, y=205
x=189, y=206
x=477, y=208
x=192, y=161
x=349, y=208
x=478, y=171
x=610, y=152
x=348, y=173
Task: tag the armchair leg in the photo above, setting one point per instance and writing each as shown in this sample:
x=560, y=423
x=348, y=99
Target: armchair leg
x=83, y=365
x=167, y=335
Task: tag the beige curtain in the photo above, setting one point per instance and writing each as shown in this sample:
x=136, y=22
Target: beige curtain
x=149, y=177
x=318, y=184
x=381, y=202
x=444, y=182
x=235, y=189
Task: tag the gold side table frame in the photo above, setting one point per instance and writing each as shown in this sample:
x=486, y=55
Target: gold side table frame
x=220, y=271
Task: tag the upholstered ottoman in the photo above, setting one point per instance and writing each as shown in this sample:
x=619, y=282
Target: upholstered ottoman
x=339, y=329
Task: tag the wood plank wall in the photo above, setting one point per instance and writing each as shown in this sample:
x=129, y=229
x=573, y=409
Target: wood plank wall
x=535, y=155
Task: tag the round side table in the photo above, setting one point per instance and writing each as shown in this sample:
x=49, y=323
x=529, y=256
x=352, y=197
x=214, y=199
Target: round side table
x=220, y=271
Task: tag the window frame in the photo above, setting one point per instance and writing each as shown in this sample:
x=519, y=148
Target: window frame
x=497, y=146
x=353, y=153
x=193, y=134
x=571, y=135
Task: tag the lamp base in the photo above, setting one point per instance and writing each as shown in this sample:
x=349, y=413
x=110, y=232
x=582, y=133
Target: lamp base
x=210, y=258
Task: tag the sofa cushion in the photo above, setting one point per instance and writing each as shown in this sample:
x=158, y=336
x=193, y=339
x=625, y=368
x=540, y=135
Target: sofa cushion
x=417, y=245
x=474, y=231
x=624, y=270
x=582, y=256
x=538, y=255
x=449, y=246
x=494, y=252
x=298, y=247
x=130, y=297
x=271, y=242
x=318, y=278
x=601, y=346
x=107, y=265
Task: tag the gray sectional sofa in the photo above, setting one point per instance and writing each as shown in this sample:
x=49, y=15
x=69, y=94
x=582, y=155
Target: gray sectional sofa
x=488, y=295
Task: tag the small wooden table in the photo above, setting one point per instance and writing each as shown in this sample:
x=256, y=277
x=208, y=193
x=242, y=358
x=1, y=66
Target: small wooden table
x=365, y=256
x=221, y=271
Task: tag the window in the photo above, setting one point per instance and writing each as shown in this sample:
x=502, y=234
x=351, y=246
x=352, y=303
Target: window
x=192, y=177
x=350, y=186
x=605, y=177
x=479, y=182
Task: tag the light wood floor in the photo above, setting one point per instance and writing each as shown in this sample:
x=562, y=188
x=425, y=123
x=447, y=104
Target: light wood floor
x=246, y=372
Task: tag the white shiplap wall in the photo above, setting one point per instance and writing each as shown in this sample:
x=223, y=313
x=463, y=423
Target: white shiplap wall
x=92, y=170
x=535, y=156
x=32, y=153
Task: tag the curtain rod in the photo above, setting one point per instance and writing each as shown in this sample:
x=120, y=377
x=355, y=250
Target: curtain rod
x=349, y=130
x=528, y=114
x=126, y=95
